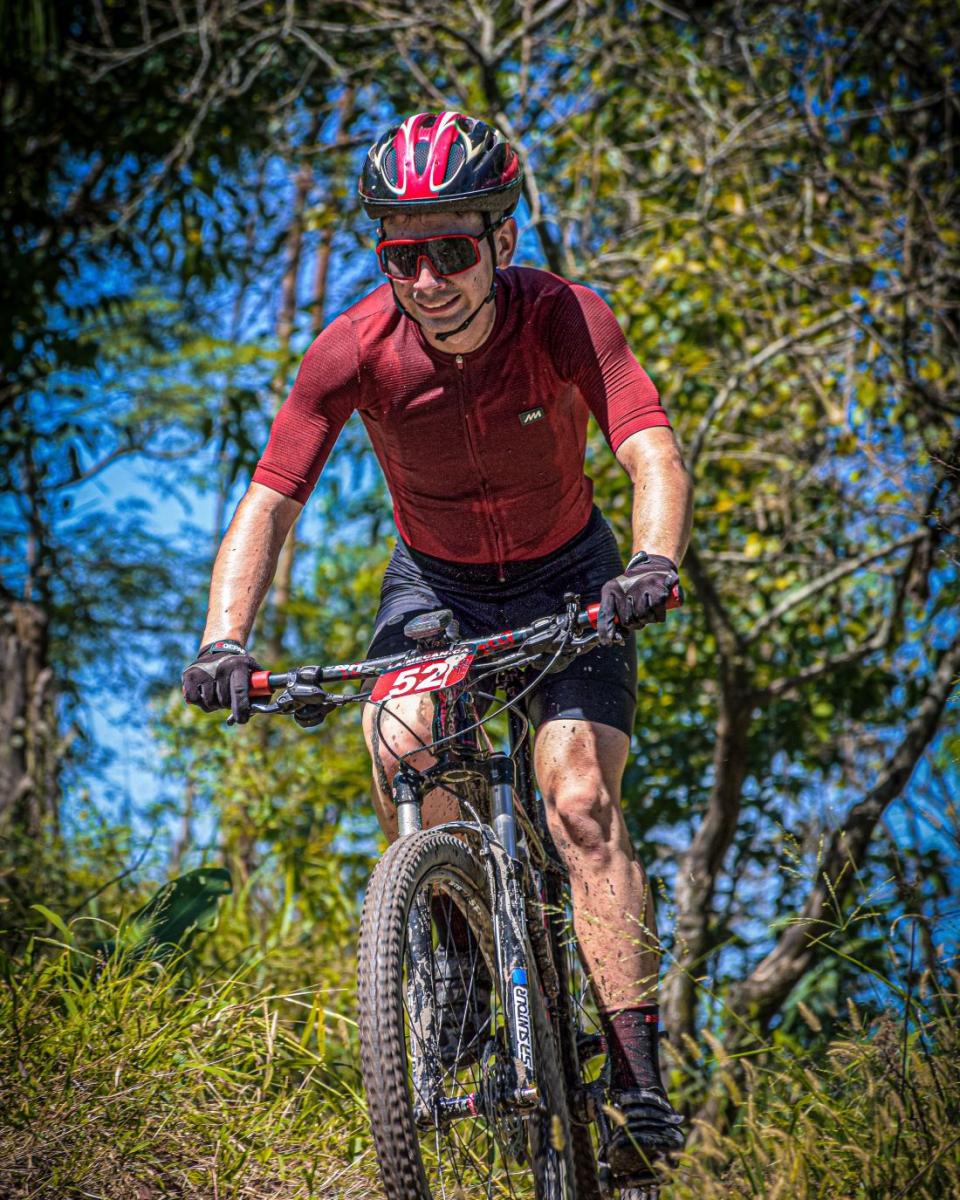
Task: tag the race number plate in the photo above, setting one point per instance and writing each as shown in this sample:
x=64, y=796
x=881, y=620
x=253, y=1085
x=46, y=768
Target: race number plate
x=424, y=677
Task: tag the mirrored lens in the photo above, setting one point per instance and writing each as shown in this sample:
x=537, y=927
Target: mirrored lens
x=447, y=256
x=399, y=261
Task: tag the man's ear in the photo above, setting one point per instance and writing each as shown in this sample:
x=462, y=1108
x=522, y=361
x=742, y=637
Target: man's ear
x=506, y=240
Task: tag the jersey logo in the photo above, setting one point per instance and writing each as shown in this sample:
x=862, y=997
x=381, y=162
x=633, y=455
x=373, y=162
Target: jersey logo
x=531, y=415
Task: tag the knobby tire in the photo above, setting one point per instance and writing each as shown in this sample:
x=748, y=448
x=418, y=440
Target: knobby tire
x=545, y=1169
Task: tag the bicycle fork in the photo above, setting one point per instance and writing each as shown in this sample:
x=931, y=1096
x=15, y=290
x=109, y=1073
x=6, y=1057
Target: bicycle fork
x=518, y=1086
x=505, y=872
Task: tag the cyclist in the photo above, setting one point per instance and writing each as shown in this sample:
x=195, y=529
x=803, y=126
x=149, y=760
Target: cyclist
x=475, y=380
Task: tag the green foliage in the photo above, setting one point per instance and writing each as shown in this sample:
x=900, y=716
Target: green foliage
x=144, y=1083
x=174, y=1084
x=765, y=197
x=169, y=921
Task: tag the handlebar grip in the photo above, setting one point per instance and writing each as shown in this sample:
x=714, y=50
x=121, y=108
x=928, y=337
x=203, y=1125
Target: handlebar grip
x=674, y=600
x=260, y=685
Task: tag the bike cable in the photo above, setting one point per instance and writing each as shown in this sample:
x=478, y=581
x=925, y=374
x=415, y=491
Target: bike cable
x=481, y=721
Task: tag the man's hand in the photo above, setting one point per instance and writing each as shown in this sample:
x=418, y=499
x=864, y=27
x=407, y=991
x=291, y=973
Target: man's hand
x=219, y=677
x=638, y=596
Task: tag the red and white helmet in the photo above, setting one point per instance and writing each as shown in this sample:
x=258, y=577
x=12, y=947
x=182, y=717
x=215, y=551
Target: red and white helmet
x=440, y=161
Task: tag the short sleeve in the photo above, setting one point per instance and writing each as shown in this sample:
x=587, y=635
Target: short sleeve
x=590, y=351
x=304, y=431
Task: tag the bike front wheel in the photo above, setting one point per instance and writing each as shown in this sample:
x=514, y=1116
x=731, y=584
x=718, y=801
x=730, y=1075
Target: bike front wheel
x=436, y=1078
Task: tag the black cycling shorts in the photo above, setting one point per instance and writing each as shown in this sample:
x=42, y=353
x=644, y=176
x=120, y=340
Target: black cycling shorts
x=598, y=686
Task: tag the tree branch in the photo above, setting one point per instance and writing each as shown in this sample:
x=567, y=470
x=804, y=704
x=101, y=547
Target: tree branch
x=774, y=348
x=769, y=984
x=802, y=594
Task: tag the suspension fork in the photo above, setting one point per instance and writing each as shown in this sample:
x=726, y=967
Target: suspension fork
x=510, y=775
x=505, y=875
x=408, y=800
x=551, y=891
x=421, y=990
x=505, y=870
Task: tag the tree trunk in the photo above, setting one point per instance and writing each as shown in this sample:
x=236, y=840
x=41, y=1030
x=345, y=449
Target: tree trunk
x=700, y=866
x=29, y=783
x=753, y=1003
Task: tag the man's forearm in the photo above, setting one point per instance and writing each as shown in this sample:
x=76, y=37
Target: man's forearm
x=662, y=493
x=246, y=563
x=663, y=512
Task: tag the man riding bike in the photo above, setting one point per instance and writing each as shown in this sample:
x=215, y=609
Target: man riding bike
x=475, y=380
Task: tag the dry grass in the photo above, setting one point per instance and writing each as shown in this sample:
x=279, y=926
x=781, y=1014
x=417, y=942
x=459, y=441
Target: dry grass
x=873, y=1115
x=144, y=1083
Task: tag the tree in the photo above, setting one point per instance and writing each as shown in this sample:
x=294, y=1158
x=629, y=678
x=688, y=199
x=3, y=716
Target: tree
x=764, y=196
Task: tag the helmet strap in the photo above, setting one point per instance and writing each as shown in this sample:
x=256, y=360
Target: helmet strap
x=442, y=337
x=489, y=228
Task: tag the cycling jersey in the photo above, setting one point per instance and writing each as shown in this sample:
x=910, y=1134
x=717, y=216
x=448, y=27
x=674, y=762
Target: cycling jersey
x=483, y=453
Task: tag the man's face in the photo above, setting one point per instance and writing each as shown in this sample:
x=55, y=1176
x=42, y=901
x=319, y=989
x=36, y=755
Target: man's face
x=441, y=303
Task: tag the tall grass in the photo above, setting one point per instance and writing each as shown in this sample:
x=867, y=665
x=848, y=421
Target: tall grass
x=143, y=1082
x=873, y=1113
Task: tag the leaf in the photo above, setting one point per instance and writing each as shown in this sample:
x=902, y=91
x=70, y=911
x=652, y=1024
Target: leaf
x=173, y=916
x=55, y=920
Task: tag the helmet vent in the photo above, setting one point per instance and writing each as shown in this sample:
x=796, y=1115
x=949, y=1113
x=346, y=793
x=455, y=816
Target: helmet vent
x=421, y=155
x=390, y=165
x=454, y=161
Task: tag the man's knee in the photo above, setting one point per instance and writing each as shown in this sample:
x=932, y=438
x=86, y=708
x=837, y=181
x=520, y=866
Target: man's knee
x=383, y=762
x=395, y=733
x=585, y=819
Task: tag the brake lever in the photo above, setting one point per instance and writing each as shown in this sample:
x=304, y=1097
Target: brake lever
x=256, y=708
x=296, y=695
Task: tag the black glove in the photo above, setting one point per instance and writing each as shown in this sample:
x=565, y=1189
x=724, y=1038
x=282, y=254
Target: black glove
x=219, y=677
x=638, y=596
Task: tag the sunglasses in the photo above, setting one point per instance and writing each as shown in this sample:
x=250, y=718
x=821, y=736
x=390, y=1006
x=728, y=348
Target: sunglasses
x=447, y=253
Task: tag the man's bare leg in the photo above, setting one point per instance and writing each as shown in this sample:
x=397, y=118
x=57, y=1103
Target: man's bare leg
x=579, y=766
x=404, y=725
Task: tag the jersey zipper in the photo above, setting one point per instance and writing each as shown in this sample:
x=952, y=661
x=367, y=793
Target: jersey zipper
x=462, y=393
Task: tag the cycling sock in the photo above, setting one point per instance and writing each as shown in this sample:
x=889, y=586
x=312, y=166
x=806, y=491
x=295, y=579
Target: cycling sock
x=633, y=1047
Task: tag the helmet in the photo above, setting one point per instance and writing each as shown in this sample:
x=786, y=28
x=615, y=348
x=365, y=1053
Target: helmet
x=440, y=161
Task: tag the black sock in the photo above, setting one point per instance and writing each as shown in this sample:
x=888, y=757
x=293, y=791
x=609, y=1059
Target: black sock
x=633, y=1047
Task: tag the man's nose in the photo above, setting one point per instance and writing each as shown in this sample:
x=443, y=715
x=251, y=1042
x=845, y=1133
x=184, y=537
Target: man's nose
x=427, y=277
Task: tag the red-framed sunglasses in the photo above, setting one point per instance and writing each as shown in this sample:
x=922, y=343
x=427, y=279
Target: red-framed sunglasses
x=447, y=253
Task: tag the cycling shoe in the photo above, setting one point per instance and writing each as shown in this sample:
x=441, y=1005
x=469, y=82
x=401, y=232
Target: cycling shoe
x=650, y=1130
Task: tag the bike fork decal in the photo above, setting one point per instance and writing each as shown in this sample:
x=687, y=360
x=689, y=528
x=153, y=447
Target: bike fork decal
x=521, y=1019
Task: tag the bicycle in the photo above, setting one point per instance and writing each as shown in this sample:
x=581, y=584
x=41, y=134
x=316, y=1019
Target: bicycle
x=516, y=1095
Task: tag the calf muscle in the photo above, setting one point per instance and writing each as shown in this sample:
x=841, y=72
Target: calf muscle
x=579, y=765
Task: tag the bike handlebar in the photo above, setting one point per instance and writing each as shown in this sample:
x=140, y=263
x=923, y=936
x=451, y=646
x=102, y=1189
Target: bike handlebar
x=265, y=683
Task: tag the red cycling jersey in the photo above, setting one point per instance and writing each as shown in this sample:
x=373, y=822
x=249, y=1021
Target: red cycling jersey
x=483, y=453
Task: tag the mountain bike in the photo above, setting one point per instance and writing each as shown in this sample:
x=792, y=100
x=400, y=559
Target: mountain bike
x=481, y=1052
